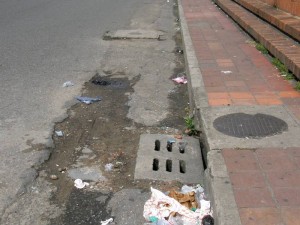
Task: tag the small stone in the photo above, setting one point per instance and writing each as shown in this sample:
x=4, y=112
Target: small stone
x=62, y=169
x=53, y=177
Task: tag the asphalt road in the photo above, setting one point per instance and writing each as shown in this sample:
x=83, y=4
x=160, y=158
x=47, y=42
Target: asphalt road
x=44, y=43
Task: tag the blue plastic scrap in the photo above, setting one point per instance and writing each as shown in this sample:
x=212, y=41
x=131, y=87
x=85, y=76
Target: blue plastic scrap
x=88, y=100
x=153, y=219
x=171, y=141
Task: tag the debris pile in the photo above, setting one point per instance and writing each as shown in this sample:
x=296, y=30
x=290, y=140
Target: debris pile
x=187, y=207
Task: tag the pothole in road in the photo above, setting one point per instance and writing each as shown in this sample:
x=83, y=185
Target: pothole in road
x=109, y=82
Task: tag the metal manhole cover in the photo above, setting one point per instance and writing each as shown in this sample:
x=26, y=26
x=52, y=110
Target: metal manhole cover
x=161, y=157
x=243, y=125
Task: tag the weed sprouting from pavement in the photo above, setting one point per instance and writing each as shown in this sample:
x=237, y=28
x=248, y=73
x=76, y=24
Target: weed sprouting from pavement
x=297, y=86
x=261, y=48
x=282, y=69
x=280, y=66
x=190, y=124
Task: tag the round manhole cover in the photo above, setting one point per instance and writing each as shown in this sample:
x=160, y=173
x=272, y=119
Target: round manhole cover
x=243, y=125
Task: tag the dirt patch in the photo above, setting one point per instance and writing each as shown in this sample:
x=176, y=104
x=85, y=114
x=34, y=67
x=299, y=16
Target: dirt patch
x=101, y=133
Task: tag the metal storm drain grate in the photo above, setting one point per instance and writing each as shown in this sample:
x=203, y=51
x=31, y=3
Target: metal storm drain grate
x=161, y=157
x=243, y=125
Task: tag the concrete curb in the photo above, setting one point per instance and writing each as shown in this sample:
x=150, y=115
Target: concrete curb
x=217, y=178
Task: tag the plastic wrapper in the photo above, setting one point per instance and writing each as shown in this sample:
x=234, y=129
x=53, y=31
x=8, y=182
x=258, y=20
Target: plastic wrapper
x=166, y=208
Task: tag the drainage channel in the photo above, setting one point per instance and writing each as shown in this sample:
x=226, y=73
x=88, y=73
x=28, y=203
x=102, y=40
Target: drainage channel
x=161, y=157
x=98, y=134
x=101, y=133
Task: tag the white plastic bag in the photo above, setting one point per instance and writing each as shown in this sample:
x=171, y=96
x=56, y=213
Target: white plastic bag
x=161, y=206
x=80, y=184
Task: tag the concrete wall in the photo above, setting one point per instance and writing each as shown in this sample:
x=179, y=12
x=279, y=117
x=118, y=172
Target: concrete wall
x=291, y=6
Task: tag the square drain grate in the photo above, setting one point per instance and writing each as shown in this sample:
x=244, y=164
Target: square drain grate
x=161, y=157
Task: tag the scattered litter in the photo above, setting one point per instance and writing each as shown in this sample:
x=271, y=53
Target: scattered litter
x=188, y=200
x=59, y=133
x=180, y=80
x=68, y=84
x=186, y=189
x=153, y=219
x=162, y=222
x=53, y=177
x=107, y=221
x=226, y=71
x=80, y=184
x=187, y=207
x=171, y=141
x=88, y=100
x=109, y=167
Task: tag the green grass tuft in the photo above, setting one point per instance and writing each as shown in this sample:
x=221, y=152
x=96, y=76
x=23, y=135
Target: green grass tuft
x=282, y=69
x=280, y=66
x=297, y=87
x=261, y=48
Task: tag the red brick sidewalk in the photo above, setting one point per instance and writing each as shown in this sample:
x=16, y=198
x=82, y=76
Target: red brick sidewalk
x=266, y=182
x=234, y=72
x=266, y=185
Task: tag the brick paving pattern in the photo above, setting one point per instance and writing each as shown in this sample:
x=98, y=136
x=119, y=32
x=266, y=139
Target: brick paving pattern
x=266, y=182
x=234, y=72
